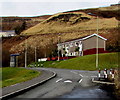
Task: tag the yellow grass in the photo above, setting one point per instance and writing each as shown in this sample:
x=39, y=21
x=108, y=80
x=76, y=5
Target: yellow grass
x=58, y=27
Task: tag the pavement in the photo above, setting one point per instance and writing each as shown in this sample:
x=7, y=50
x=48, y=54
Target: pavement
x=15, y=89
x=102, y=81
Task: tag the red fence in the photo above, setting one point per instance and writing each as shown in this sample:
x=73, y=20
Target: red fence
x=60, y=58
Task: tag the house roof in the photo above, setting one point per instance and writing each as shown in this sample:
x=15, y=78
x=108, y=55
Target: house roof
x=94, y=35
x=84, y=38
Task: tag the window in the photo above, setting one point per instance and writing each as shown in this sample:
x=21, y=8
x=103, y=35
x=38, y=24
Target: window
x=76, y=44
x=66, y=48
x=63, y=45
x=71, y=44
x=80, y=42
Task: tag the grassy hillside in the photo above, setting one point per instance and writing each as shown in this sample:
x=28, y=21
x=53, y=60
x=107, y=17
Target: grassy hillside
x=67, y=25
x=109, y=60
x=12, y=76
x=10, y=23
x=71, y=22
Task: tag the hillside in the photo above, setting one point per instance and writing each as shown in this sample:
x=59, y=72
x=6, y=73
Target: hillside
x=75, y=24
x=72, y=21
x=65, y=26
x=10, y=23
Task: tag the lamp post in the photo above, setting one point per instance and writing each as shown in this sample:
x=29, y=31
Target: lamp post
x=58, y=47
x=25, y=53
x=35, y=54
x=97, y=44
x=58, y=50
x=96, y=38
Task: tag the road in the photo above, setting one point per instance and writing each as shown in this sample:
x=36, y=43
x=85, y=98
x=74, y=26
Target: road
x=67, y=84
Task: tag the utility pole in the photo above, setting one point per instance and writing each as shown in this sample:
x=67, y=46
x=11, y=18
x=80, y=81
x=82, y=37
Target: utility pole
x=35, y=55
x=58, y=49
x=96, y=39
x=97, y=42
x=25, y=53
x=16, y=61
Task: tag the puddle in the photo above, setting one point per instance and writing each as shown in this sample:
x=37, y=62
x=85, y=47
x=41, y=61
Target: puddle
x=88, y=92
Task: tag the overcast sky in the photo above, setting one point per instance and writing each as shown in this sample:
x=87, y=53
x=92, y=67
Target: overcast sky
x=44, y=7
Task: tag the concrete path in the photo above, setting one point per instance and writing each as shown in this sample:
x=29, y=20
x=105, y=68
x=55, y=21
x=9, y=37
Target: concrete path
x=24, y=86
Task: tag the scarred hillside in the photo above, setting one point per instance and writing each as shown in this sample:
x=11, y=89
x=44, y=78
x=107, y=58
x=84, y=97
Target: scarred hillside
x=72, y=21
x=10, y=23
x=66, y=26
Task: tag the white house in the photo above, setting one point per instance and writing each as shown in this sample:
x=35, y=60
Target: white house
x=7, y=33
x=77, y=47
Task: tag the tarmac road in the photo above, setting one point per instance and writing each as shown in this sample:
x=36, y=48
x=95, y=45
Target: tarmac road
x=67, y=84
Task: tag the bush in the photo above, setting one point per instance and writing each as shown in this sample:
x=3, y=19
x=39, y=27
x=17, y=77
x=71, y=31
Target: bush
x=5, y=58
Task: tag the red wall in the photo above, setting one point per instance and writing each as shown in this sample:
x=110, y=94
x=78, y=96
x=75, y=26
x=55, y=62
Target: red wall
x=60, y=58
x=93, y=51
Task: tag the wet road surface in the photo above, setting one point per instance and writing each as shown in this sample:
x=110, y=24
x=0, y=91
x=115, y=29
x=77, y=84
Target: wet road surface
x=67, y=84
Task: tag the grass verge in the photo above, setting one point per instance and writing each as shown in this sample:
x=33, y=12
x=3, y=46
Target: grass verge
x=12, y=75
x=108, y=60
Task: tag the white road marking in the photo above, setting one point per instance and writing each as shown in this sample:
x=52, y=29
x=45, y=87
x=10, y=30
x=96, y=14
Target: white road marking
x=74, y=72
x=80, y=81
x=85, y=76
x=81, y=75
x=15, y=84
x=68, y=81
x=94, y=76
x=59, y=80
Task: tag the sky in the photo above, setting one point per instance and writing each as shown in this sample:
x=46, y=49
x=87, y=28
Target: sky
x=47, y=7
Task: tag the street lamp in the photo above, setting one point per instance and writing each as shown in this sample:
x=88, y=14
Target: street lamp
x=97, y=44
x=58, y=46
x=58, y=49
x=96, y=38
x=35, y=54
x=25, y=53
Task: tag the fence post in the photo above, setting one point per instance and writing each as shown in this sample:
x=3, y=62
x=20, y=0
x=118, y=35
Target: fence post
x=113, y=73
x=99, y=74
x=105, y=73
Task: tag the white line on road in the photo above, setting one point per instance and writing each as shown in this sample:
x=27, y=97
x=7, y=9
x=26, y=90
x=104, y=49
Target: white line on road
x=68, y=81
x=77, y=73
x=15, y=84
x=74, y=72
x=81, y=75
x=80, y=81
x=59, y=80
x=94, y=76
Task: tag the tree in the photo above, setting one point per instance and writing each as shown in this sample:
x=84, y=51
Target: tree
x=5, y=57
x=19, y=29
